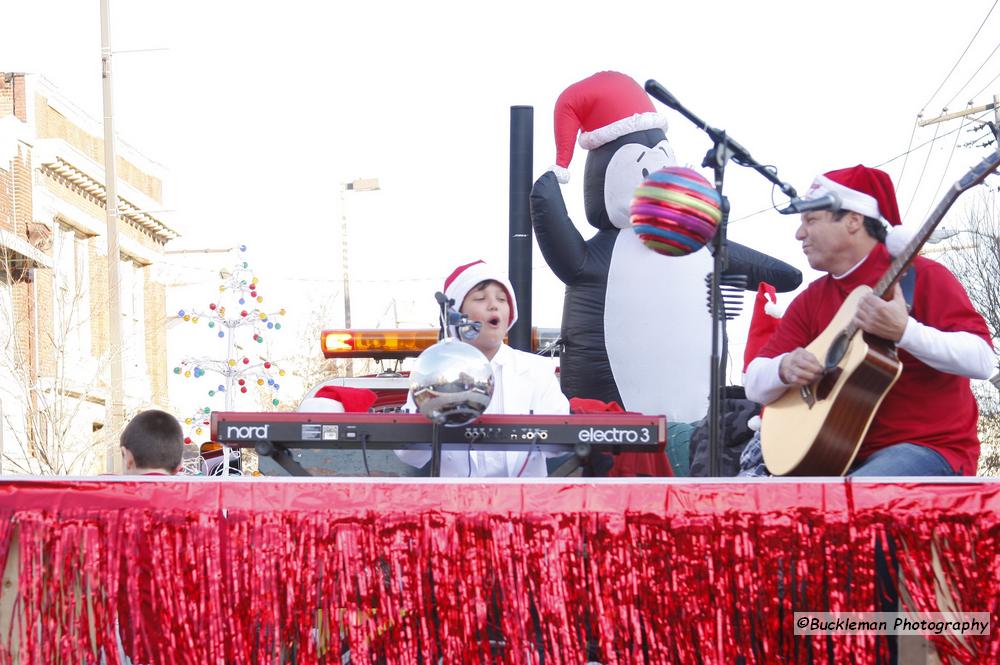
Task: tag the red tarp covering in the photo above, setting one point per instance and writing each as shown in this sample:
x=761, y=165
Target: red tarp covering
x=658, y=571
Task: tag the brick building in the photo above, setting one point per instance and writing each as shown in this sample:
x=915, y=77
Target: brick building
x=54, y=348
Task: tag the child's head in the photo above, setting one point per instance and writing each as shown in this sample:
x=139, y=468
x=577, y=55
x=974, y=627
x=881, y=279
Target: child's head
x=152, y=441
x=485, y=296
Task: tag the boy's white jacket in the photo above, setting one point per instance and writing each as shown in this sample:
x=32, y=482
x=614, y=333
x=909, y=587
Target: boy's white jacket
x=524, y=383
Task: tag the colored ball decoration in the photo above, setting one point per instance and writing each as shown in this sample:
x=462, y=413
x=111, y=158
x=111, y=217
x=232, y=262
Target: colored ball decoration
x=177, y=370
x=222, y=334
x=243, y=302
x=274, y=402
x=267, y=365
x=232, y=363
x=180, y=313
x=243, y=389
x=187, y=439
x=243, y=248
x=246, y=361
x=211, y=393
x=676, y=211
x=212, y=306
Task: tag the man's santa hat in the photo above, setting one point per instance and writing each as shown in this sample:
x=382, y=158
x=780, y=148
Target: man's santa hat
x=601, y=108
x=866, y=191
x=763, y=323
x=466, y=277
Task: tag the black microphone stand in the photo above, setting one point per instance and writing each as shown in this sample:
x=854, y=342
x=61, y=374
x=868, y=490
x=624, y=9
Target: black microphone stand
x=723, y=149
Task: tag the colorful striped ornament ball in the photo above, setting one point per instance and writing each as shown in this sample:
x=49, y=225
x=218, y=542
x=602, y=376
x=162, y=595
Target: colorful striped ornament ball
x=676, y=211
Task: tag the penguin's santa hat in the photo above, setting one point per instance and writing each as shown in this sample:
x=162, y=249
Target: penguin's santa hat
x=600, y=108
x=866, y=191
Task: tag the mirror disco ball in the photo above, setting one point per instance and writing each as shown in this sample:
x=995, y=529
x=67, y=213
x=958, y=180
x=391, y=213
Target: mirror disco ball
x=452, y=383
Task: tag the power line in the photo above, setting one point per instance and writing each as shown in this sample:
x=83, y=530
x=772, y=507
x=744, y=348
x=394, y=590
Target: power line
x=967, y=47
x=925, y=143
x=913, y=132
x=992, y=81
x=992, y=53
x=877, y=166
x=944, y=173
x=922, y=172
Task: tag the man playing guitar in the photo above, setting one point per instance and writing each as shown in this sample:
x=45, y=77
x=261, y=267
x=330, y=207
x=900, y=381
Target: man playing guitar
x=926, y=424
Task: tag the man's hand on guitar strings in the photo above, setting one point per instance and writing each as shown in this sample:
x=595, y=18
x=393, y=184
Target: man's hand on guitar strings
x=885, y=319
x=799, y=368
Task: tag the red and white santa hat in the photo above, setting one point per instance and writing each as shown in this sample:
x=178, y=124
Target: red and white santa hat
x=861, y=189
x=601, y=108
x=465, y=278
x=869, y=192
x=763, y=322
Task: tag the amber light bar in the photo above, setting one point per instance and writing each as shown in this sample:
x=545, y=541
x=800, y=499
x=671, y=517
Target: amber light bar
x=394, y=343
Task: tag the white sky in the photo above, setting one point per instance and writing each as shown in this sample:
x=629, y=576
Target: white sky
x=258, y=110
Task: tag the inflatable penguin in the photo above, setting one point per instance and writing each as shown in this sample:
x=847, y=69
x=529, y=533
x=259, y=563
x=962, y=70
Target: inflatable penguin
x=635, y=326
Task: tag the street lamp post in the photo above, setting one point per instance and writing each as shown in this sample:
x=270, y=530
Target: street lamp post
x=359, y=185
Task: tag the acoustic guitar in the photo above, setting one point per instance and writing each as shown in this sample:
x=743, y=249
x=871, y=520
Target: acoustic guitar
x=816, y=430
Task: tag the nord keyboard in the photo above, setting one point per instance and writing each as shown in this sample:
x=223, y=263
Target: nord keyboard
x=598, y=432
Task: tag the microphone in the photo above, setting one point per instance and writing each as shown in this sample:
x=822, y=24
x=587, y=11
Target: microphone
x=829, y=201
x=658, y=92
x=455, y=320
x=470, y=330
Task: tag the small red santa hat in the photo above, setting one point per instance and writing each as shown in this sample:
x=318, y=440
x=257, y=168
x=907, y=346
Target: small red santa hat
x=763, y=323
x=351, y=400
x=466, y=277
x=602, y=108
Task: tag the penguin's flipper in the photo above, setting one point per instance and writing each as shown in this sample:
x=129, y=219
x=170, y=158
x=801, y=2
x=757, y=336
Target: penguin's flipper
x=760, y=267
x=563, y=247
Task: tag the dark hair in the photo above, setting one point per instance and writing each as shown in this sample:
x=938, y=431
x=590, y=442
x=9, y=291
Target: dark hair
x=155, y=440
x=874, y=227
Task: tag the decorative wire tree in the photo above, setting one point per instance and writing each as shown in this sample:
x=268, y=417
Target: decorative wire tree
x=240, y=369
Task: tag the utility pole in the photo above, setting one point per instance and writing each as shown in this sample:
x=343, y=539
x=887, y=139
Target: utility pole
x=994, y=126
x=116, y=404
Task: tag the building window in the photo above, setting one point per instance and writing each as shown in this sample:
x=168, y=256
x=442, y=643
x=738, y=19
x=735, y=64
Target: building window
x=72, y=296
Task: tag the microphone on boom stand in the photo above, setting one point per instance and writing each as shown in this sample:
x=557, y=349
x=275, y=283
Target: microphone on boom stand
x=454, y=321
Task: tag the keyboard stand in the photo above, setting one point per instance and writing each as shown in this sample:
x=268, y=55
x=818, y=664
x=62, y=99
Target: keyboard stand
x=282, y=457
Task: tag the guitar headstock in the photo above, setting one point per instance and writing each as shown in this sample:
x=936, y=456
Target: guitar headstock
x=979, y=172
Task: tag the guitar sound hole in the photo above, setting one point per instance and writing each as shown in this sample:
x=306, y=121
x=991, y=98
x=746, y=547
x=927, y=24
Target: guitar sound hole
x=837, y=351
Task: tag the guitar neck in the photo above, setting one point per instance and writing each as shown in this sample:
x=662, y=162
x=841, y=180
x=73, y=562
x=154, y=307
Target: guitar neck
x=901, y=262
